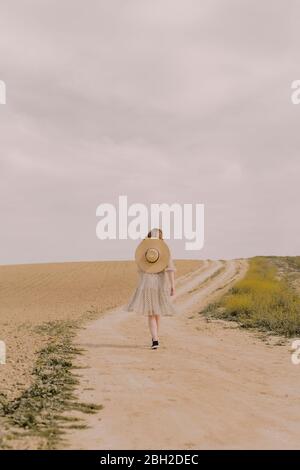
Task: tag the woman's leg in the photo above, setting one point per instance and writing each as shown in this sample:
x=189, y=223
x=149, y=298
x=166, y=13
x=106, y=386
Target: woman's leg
x=157, y=319
x=153, y=327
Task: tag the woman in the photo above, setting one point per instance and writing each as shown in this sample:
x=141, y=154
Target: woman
x=156, y=284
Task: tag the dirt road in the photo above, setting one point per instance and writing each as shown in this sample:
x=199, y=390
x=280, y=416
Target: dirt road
x=209, y=386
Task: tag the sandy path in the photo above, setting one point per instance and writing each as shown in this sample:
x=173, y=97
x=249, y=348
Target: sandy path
x=210, y=385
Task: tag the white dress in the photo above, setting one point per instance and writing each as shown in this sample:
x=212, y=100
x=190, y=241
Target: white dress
x=152, y=296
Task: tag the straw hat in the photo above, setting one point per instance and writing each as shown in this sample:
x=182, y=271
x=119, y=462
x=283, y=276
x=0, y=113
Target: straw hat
x=152, y=255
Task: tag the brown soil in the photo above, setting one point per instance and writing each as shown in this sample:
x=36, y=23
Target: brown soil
x=211, y=385
x=33, y=294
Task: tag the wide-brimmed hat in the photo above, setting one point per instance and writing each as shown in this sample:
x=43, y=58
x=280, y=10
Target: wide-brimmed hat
x=152, y=255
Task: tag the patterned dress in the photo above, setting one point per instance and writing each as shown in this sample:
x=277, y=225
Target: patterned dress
x=152, y=296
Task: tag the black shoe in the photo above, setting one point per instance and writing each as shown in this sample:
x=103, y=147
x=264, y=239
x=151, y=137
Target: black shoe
x=155, y=344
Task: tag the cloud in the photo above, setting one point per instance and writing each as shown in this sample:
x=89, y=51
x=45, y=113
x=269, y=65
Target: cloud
x=162, y=101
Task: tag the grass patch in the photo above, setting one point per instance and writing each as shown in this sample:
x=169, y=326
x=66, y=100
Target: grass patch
x=39, y=410
x=261, y=300
x=293, y=262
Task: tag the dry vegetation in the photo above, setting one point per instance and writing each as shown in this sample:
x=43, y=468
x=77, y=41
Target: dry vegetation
x=266, y=298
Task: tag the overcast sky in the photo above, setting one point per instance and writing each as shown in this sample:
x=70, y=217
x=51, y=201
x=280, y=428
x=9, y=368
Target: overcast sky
x=161, y=100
